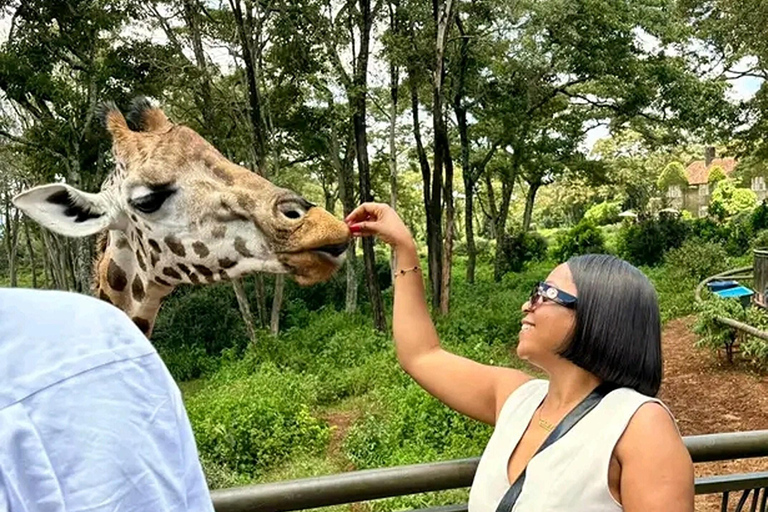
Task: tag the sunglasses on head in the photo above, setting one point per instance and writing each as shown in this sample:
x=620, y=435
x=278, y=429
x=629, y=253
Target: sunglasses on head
x=546, y=292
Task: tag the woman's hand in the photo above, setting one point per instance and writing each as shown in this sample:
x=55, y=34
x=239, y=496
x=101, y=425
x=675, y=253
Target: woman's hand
x=382, y=221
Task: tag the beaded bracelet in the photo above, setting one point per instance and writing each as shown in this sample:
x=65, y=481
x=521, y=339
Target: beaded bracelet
x=403, y=271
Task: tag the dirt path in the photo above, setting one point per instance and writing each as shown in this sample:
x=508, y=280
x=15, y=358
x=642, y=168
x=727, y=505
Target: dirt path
x=707, y=395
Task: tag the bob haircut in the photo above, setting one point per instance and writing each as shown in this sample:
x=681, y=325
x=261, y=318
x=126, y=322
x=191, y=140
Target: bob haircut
x=617, y=336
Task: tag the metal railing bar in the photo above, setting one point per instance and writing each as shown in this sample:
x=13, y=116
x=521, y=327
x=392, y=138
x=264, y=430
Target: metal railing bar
x=730, y=483
x=436, y=476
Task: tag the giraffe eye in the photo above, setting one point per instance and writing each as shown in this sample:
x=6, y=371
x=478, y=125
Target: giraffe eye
x=151, y=202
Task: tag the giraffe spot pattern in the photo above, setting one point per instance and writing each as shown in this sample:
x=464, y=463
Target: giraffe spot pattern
x=103, y=296
x=242, y=248
x=116, y=277
x=200, y=249
x=219, y=231
x=223, y=275
x=121, y=243
x=160, y=280
x=142, y=324
x=155, y=246
x=193, y=277
x=137, y=289
x=170, y=272
x=227, y=263
x=140, y=259
x=203, y=270
x=175, y=245
x=154, y=258
x=184, y=268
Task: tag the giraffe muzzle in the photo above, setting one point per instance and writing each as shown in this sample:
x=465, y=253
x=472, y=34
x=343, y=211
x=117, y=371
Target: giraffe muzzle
x=334, y=250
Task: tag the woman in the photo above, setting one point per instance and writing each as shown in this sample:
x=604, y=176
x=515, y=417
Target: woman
x=594, y=321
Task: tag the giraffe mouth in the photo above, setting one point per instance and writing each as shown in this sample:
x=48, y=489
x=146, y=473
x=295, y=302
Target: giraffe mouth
x=334, y=250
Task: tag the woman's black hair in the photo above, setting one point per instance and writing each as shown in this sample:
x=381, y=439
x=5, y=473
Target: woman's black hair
x=618, y=324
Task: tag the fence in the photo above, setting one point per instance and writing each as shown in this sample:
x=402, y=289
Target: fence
x=359, y=486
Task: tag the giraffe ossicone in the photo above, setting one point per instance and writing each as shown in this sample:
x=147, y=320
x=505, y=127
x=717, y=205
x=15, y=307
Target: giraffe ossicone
x=175, y=211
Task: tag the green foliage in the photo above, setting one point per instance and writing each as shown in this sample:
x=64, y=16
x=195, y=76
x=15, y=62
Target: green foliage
x=520, y=247
x=713, y=334
x=760, y=241
x=645, y=242
x=760, y=217
x=740, y=233
x=584, y=238
x=603, y=213
x=252, y=422
x=727, y=199
x=672, y=174
x=697, y=259
x=716, y=174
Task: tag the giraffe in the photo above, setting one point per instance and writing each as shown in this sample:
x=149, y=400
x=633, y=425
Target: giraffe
x=175, y=211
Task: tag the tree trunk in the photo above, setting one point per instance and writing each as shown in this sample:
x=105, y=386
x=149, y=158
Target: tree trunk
x=501, y=221
x=12, y=237
x=449, y=228
x=31, y=254
x=261, y=300
x=191, y=18
x=529, y=201
x=394, y=84
x=244, y=32
x=358, y=98
x=277, y=304
x=245, y=309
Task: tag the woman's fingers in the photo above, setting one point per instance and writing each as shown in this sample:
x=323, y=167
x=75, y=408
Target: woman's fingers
x=365, y=211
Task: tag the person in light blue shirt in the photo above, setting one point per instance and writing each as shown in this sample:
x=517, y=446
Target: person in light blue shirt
x=90, y=418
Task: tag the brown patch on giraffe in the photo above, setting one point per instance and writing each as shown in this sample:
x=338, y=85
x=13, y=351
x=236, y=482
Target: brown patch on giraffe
x=155, y=246
x=193, y=277
x=140, y=259
x=175, y=245
x=116, y=277
x=200, y=249
x=137, y=289
x=154, y=258
x=227, y=263
x=170, y=272
x=139, y=234
x=219, y=231
x=133, y=218
x=184, y=268
x=161, y=281
x=222, y=174
x=121, y=243
x=141, y=245
x=223, y=275
x=241, y=247
x=142, y=324
x=207, y=273
x=246, y=202
x=147, y=227
x=103, y=296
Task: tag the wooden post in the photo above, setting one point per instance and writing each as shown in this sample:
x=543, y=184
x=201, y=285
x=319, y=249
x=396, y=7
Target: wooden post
x=761, y=273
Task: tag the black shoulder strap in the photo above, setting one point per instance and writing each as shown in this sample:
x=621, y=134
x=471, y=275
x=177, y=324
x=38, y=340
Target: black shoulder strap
x=573, y=417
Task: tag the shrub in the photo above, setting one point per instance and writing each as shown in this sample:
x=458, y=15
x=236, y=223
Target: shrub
x=705, y=228
x=740, y=233
x=646, y=242
x=603, y=213
x=728, y=200
x=672, y=174
x=759, y=218
x=518, y=248
x=584, y=238
x=697, y=259
x=760, y=241
x=716, y=174
x=251, y=423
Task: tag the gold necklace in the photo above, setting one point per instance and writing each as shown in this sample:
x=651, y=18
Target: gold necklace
x=545, y=424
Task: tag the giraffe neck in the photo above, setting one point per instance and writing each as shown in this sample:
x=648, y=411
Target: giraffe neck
x=123, y=280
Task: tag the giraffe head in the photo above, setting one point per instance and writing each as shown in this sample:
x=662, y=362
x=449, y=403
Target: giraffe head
x=178, y=211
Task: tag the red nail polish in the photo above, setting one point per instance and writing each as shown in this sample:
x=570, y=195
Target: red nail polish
x=355, y=228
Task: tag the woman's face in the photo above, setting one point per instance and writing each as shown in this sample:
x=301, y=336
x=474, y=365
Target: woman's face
x=547, y=325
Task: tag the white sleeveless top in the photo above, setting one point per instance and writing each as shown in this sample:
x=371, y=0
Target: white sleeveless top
x=572, y=473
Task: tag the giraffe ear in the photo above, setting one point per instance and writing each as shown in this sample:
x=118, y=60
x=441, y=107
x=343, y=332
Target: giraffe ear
x=65, y=210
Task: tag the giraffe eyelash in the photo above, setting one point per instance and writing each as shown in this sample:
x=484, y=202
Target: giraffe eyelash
x=151, y=202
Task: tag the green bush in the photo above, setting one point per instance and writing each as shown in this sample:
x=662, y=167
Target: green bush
x=740, y=233
x=697, y=259
x=759, y=218
x=584, y=238
x=520, y=247
x=705, y=228
x=646, y=242
x=760, y=241
x=603, y=213
x=251, y=423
